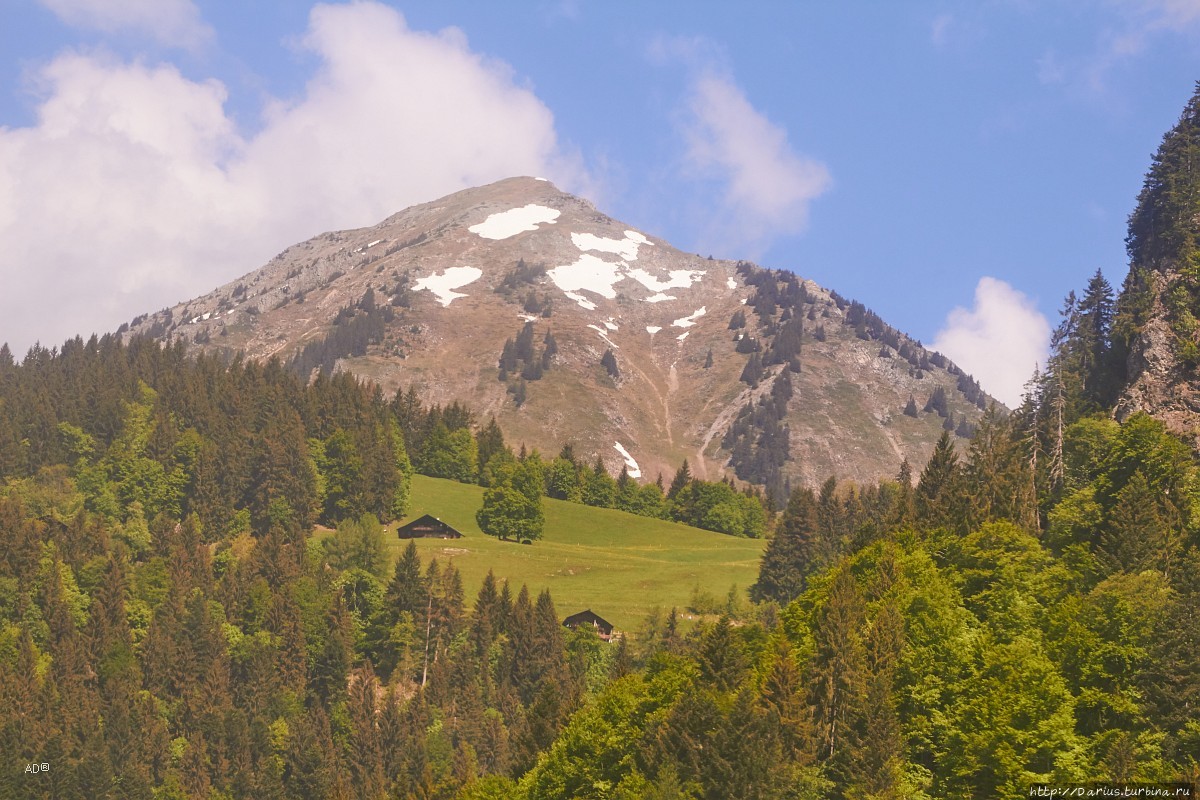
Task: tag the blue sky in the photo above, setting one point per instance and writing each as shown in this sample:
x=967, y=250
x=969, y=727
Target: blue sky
x=957, y=167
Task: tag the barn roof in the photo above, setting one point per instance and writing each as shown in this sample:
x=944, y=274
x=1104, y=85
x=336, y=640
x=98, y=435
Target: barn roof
x=427, y=523
x=587, y=617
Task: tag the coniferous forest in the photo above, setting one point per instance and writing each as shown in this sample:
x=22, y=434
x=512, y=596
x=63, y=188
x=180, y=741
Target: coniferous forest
x=1023, y=608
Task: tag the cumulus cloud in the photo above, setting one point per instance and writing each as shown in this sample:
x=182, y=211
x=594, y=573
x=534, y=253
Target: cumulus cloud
x=175, y=23
x=135, y=188
x=765, y=187
x=1000, y=341
x=768, y=187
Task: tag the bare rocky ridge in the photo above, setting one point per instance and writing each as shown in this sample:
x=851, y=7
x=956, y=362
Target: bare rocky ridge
x=609, y=286
x=1159, y=383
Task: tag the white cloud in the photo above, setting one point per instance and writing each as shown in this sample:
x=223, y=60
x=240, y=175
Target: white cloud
x=1129, y=28
x=768, y=187
x=171, y=22
x=939, y=29
x=1000, y=341
x=135, y=189
x=1162, y=14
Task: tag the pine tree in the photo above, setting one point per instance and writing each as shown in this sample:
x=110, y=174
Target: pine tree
x=998, y=474
x=791, y=555
x=609, y=362
x=784, y=694
x=683, y=476
x=721, y=657
x=489, y=442
x=1138, y=536
x=839, y=673
x=752, y=373
x=903, y=512
x=1099, y=368
x=937, y=402
x=937, y=498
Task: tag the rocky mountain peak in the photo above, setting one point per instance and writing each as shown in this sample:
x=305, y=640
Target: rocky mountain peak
x=529, y=304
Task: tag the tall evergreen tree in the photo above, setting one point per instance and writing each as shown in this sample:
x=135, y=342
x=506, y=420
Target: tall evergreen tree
x=937, y=498
x=683, y=476
x=791, y=555
x=839, y=674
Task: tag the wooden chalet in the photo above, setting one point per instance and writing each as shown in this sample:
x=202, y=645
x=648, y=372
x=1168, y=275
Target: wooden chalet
x=427, y=527
x=603, y=627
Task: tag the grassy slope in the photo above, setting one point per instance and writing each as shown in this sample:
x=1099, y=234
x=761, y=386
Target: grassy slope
x=620, y=565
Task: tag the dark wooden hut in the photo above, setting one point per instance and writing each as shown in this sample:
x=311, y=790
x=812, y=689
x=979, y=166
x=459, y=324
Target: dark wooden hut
x=603, y=627
x=427, y=527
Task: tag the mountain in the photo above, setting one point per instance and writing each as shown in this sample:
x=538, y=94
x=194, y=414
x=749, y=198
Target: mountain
x=1156, y=331
x=529, y=304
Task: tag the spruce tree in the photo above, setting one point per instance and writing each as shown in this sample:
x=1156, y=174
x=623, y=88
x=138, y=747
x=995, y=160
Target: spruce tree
x=790, y=555
x=839, y=675
x=938, y=490
x=683, y=476
x=609, y=362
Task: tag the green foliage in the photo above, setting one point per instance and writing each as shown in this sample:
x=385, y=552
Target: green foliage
x=450, y=454
x=508, y=514
x=358, y=544
x=512, y=506
x=792, y=553
x=718, y=507
x=166, y=626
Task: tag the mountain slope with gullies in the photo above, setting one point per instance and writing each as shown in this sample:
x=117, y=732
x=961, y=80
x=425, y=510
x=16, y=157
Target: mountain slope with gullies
x=529, y=304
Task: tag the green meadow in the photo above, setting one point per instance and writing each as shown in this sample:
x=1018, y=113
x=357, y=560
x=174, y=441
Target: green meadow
x=619, y=565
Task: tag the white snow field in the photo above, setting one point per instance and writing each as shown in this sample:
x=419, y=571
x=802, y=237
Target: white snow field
x=690, y=319
x=679, y=279
x=626, y=248
x=583, y=301
x=634, y=470
x=589, y=273
x=504, y=224
x=443, y=285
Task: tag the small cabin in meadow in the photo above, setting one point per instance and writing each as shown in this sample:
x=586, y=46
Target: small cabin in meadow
x=427, y=527
x=603, y=627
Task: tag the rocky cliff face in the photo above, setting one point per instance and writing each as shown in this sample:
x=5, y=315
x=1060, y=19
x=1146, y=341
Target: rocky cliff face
x=1159, y=306
x=462, y=298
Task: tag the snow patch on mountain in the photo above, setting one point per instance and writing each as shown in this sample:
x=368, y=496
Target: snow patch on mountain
x=632, y=466
x=588, y=273
x=443, y=284
x=679, y=279
x=604, y=336
x=626, y=248
x=504, y=224
x=690, y=319
x=583, y=301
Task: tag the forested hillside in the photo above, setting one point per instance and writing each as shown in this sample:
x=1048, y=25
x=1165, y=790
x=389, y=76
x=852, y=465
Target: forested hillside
x=1024, y=611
